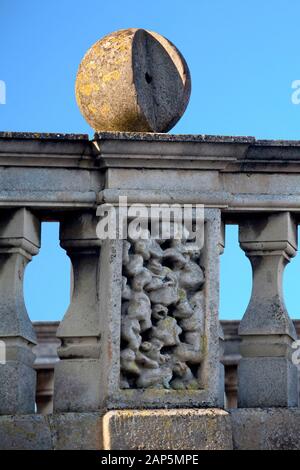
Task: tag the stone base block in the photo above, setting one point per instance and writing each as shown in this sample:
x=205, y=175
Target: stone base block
x=266, y=429
x=181, y=429
x=267, y=382
x=64, y=431
x=76, y=431
x=17, y=390
x=26, y=432
x=75, y=386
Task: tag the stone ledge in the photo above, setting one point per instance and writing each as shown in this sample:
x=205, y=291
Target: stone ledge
x=42, y=136
x=266, y=429
x=184, y=429
x=163, y=137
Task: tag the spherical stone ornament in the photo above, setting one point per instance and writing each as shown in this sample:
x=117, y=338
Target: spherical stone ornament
x=133, y=80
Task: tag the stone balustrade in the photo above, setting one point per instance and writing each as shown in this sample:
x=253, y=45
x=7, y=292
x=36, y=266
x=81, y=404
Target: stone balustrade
x=48, y=343
x=142, y=331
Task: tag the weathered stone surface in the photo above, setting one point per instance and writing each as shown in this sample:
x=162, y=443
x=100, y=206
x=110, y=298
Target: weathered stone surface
x=267, y=381
x=178, y=429
x=76, y=431
x=42, y=136
x=77, y=385
x=30, y=432
x=17, y=386
x=266, y=429
x=65, y=431
x=133, y=80
x=167, y=430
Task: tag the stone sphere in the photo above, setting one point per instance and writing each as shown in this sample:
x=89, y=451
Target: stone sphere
x=133, y=80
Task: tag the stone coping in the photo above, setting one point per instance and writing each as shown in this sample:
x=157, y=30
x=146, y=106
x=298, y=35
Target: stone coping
x=42, y=136
x=160, y=137
x=149, y=137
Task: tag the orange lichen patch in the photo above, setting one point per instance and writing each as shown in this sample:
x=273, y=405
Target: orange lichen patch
x=92, y=108
x=89, y=88
x=105, y=109
x=114, y=75
x=91, y=65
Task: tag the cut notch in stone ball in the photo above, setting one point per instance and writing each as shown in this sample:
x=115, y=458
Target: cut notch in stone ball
x=134, y=81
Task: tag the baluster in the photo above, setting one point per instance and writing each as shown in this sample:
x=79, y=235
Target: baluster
x=19, y=241
x=77, y=376
x=266, y=374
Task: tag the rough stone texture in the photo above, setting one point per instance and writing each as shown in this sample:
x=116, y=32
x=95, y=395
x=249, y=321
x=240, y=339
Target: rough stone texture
x=156, y=137
x=162, y=299
x=65, y=431
x=77, y=385
x=30, y=432
x=42, y=135
x=266, y=429
x=182, y=429
x=76, y=431
x=18, y=385
x=133, y=80
x=167, y=430
x=266, y=381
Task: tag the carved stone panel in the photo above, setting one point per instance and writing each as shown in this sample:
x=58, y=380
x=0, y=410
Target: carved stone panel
x=162, y=322
x=160, y=335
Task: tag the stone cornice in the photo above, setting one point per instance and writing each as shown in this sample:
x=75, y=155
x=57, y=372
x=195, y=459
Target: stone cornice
x=46, y=150
x=68, y=171
x=223, y=153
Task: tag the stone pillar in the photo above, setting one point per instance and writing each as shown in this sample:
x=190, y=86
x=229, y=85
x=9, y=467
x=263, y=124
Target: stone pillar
x=19, y=240
x=77, y=376
x=266, y=374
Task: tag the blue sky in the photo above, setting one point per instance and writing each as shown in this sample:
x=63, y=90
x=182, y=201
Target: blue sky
x=243, y=58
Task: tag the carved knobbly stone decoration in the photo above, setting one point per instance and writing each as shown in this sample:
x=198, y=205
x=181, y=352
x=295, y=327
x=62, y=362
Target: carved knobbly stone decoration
x=162, y=322
x=133, y=80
